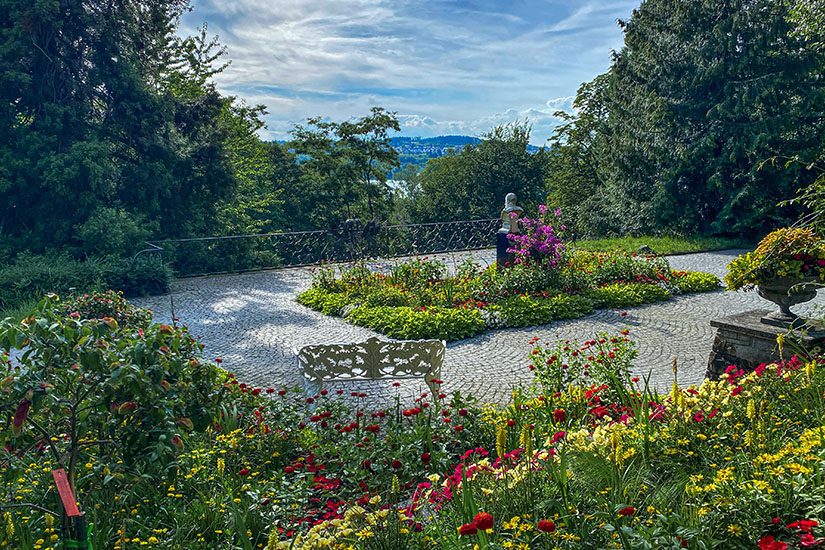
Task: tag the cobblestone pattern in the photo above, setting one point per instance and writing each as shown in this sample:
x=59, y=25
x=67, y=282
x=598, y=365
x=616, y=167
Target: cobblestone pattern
x=253, y=323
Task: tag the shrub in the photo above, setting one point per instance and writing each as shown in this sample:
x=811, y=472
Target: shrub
x=325, y=301
x=92, y=391
x=625, y=295
x=520, y=295
x=109, y=304
x=540, y=243
x=114, y=232
x=31, y=277
x=694, y=281
x=520, y=311
x=414, y=324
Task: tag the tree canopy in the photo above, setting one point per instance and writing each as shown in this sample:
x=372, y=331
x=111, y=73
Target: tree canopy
x=701, y=94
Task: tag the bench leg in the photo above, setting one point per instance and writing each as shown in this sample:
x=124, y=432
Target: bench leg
x=311, y=389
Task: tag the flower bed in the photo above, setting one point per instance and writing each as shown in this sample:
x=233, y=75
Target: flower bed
x=418, y=299
x=172, y=452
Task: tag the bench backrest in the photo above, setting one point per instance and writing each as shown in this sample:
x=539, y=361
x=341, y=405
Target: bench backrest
x=371, y=360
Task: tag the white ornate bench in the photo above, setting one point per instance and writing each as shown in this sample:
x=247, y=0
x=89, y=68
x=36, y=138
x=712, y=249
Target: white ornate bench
x=371, y=360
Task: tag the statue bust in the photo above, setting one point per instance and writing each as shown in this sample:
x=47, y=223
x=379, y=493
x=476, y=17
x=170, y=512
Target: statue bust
x=510, y=215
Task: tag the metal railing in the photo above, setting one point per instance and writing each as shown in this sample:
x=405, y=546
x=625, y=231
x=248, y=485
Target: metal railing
x=236, y=253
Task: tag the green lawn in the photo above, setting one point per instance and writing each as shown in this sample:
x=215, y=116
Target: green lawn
x=662, y=245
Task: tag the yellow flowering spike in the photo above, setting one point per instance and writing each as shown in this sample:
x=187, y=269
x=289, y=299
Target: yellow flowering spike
x=9, y=526
x=221, y=465
x=501, y=440
x=396, y=485
x=272, y=543
x=751, y=410
x=526, y=440
x=780, y=341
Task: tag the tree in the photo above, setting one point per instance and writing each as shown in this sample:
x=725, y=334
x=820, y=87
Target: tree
x=344, y=167
x=472, y=183
x=576, y=181
x=103, y=111
x=701, y=93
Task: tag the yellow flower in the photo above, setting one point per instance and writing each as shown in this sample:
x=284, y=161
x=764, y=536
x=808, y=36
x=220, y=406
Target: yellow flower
x=735, y=529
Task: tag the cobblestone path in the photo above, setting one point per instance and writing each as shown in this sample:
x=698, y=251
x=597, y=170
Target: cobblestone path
x=252, y=322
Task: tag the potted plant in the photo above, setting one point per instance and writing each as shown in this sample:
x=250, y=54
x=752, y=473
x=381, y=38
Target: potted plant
x=785, y=268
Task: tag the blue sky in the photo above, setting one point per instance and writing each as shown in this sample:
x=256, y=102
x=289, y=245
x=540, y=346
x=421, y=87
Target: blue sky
x=446, y=67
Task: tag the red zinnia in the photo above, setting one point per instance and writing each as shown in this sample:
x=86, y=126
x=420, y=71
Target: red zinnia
x=396, y=464
x=768, y=543
x=467, y=529
x=243, y=472
x=559, y=415
x=628, y=511
x=483, y=521
x=425, y=458
x=546, y=526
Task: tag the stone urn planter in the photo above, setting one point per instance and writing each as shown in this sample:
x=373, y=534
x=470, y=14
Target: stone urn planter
x=786, y=292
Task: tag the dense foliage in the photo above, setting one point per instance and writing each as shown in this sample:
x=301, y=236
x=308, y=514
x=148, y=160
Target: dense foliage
x=675, y=134
x=171, y=452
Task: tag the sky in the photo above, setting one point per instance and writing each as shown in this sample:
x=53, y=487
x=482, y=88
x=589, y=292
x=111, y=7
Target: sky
x=445, y=67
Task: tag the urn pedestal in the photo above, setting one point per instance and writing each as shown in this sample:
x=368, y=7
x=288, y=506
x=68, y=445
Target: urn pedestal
x=744, y=340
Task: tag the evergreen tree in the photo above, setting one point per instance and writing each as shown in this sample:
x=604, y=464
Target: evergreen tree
x=103, y=111
x=702, y=93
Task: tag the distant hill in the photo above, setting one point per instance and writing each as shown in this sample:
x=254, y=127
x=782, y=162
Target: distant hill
x=418, y=150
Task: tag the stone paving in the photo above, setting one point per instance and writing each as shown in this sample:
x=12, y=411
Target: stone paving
x=252, y=322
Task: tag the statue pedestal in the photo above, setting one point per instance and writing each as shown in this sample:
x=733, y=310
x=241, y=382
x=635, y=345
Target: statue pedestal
x=745, y=341
x=502, y=244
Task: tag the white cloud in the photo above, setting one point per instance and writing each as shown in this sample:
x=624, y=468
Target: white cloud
x=445, y=65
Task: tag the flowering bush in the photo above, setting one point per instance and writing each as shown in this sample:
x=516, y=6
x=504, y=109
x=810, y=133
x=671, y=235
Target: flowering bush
x=789, y=252
x=540, y=243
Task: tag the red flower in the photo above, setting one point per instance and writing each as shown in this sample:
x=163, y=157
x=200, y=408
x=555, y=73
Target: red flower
x=628, y=511
x=483, y=521
x=511, y=423
x=768, y=543
x=804, y=525
x=243, y=472
x=425, y=458
x=546, y=526
x=20, y=416
x=396, y=464
x=808, y=540
x=289, y=469
x=467, y=529
x=281, y=392
x=559, y=415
